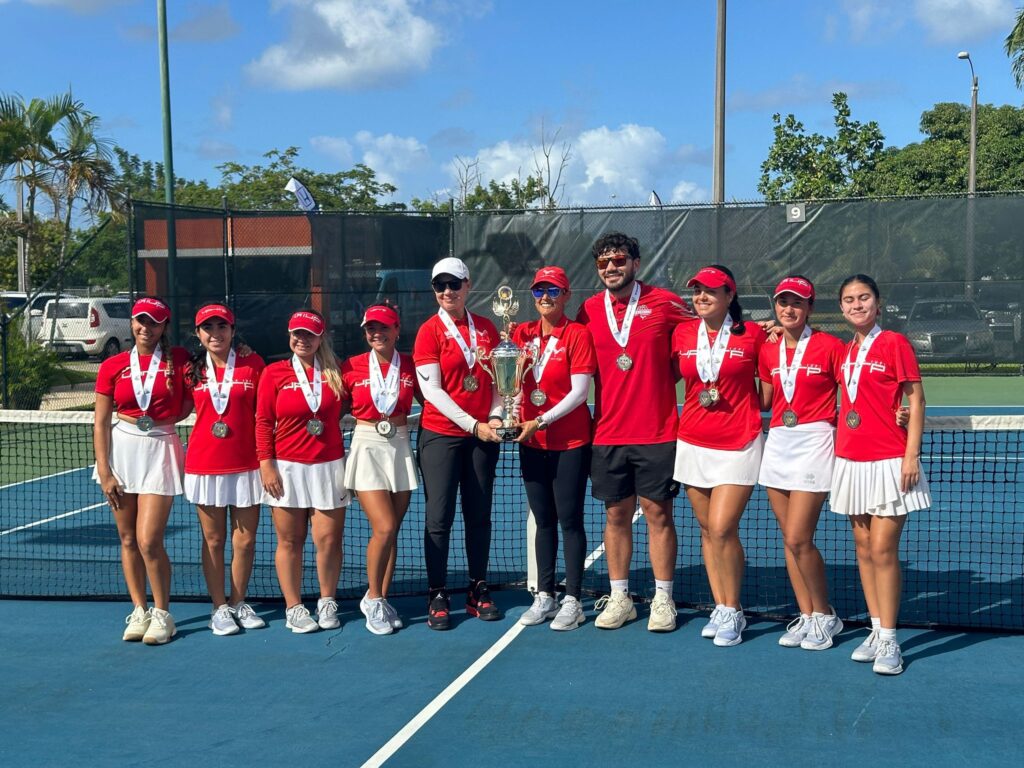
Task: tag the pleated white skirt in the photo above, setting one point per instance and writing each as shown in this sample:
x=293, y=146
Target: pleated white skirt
x=238, y=489
x=311, y=486
x=146, y=462
x=709, y=467
x=873, y=488
x=376, y=463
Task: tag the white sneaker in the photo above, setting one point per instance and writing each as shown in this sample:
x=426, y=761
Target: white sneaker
x=888, y=659
x=298, y=620
x=616, y=609
x=796, y=631
x=867, y=650
x=823, y=628
x=730, y=628
x=327, y=613
x=711, y=628
x=138, y=623
x=222, y=622
x=161, y=627
x=569, y=616
x=376, y=619
x=246, y=616
x=392, y=615
x=544, y=607
x=663, y=613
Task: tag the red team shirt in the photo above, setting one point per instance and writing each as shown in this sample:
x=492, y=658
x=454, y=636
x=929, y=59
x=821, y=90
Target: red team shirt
x=890, y=362
x=638, y=406
x=355, y=373
x=114, y=379
x=735, y=419
x=573, y=353
x=282, y=413
x=209, y=455
x=816, y=381
x=435, y=345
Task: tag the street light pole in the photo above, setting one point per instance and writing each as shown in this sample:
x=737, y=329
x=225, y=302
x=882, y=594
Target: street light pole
x=972, y=167
x=165, y=103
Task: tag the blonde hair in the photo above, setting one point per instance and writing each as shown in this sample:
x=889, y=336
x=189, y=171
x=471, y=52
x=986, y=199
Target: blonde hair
x=329, y=365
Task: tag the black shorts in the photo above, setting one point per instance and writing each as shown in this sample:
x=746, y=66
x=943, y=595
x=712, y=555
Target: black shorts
x=620, y=471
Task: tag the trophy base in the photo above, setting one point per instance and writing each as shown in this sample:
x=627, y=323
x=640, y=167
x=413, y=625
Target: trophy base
x=508, y=434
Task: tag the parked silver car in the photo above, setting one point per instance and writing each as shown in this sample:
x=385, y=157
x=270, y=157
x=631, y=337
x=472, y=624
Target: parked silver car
x=949, y=330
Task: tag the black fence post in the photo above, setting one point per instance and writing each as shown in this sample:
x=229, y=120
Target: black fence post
x=3, y=358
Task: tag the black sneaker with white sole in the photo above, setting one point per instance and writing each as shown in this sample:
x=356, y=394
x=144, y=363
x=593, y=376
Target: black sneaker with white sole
x=479, y=602
x=438, y=610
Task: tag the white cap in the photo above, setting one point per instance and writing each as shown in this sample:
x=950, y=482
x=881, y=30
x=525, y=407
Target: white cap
x=451, y=266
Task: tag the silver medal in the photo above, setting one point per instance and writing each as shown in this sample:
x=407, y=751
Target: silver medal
x=853, y=419
x=789, y=418
x=704, y=398
x=315, y=427
x=624, y=361
x=144, y=423
x=385, y=428
x=219, y=429
x=470, y=383
x=714, y=394
x=538, y=397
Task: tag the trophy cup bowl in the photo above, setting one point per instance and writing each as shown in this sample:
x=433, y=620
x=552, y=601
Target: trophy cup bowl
x=507, y=363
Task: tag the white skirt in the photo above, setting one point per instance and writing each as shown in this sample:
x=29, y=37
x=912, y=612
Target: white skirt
x=873, y=488
x=711, y=467
x=311, y=486
x=799, y=458
x=146, y=462
x=376, y=463
x=239, y=489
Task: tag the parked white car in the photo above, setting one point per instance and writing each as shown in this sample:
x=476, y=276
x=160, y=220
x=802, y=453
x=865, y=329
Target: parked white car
x=87, y=326
x=12, y=301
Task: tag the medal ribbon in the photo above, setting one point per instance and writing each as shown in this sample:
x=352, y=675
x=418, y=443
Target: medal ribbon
x=621, y=336
x=788, y=373
x=220, y=393
x=549, y=350
x=852, y=371
x=312, y=394
x=384, y=391
x=709, y=359
x=144, y=388
x=468, y=352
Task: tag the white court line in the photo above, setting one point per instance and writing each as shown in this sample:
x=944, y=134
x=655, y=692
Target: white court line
x=44, y=477
x=51, y=519
x=397, y=741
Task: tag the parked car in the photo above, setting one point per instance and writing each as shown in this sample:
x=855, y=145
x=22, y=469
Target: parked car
x=757, y=307
x=949, y=330
x=87, y=326
x=1000, y=304
x=12, y=301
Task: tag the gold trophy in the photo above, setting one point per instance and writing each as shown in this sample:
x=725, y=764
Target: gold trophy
x=506, y=363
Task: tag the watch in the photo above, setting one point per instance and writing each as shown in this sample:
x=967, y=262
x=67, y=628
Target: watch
x=541, y=423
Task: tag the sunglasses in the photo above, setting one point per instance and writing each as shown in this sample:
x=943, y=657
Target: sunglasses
x=618, y=261
x=451, y=285
x=552, y=291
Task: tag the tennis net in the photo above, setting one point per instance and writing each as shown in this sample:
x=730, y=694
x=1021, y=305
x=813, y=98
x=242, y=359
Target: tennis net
x=963, y=559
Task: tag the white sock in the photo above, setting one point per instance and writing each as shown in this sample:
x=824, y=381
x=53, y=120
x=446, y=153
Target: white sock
x=727, y=609
x=620, y=585
x=544, y=594
x=876, y=622
x=663, y=586
x=885, y=633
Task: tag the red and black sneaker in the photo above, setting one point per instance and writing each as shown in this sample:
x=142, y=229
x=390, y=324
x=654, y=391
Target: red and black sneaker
x=438, y=609
x=479, y=602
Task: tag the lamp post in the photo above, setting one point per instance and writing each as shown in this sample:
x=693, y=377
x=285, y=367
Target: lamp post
x=971, y=176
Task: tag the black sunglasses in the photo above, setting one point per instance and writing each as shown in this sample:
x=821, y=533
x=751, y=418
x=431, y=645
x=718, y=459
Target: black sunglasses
x=441, y=285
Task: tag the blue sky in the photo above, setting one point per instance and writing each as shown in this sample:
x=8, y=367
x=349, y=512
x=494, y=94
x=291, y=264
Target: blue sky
x=421, y=89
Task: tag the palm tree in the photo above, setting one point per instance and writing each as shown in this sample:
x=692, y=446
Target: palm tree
x=1015, y=48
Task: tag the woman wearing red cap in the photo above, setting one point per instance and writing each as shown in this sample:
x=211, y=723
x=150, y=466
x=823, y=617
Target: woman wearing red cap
x=554, y=446
x=457, y=447
x=799, y=373
x=302, y=466
x=718, y=450
x=380, y=468
x=221, y=468
x=878, y=479
x=139, y=460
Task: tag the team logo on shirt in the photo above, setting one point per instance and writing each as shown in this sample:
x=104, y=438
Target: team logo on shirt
x=875, y=366
x=165, y=370
x=812, y=369
x=406, y=380
x=245, y=385
x=643, y=311
x=730, y=352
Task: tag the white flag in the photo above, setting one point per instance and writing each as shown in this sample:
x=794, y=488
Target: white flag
x=654, y=200
x=306, y=201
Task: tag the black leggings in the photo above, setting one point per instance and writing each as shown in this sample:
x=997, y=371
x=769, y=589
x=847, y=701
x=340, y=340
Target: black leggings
x=556, y=484
x=450, y=465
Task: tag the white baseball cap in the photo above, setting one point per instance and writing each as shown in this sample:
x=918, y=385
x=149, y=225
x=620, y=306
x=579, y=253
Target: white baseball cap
x=451, y=266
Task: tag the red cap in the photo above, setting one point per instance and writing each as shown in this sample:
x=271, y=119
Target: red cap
x=797, y=285
x=554, y=275
x=155, y=308
x=214, y=310
x=712, y=278
x=306, y=321
x=380, y=313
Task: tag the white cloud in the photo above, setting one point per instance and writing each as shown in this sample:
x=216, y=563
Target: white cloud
x=952, y=21
x=347, y=44
x=622, y=162
x=334, y=147
x=689, y=192
x=391, y=155
x=222, y=111
x=206, y=24
x=870, y=19
x=800, y=89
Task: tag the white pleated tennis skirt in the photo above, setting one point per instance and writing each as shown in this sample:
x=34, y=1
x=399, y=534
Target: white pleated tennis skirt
x=238, y=489
x=873, y=488
x=376, y=463
x=311, y=486
x=799, y=458
x=146, y=462
x=710, y=467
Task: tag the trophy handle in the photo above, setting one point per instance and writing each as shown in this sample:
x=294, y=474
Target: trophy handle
x=483, y=357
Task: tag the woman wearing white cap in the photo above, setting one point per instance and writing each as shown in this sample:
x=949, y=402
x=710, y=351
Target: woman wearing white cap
x=458, y=446
x=799, y=373
x=878, y=479
x=555, y=444
x=718, y=450
x=380, y=468
x=302, y=466
x=221, y=468
x=139, y=461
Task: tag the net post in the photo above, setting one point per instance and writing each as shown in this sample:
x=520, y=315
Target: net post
x=3, y=359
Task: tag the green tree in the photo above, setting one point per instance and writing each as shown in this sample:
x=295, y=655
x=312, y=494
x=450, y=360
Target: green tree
x=1014, y=47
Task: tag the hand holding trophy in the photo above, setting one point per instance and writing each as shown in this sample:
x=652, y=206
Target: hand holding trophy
x=507, y=363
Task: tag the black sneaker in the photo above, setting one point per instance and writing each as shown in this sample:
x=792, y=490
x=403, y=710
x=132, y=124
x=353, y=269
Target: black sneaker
x=438, y=609
x=479, y=602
